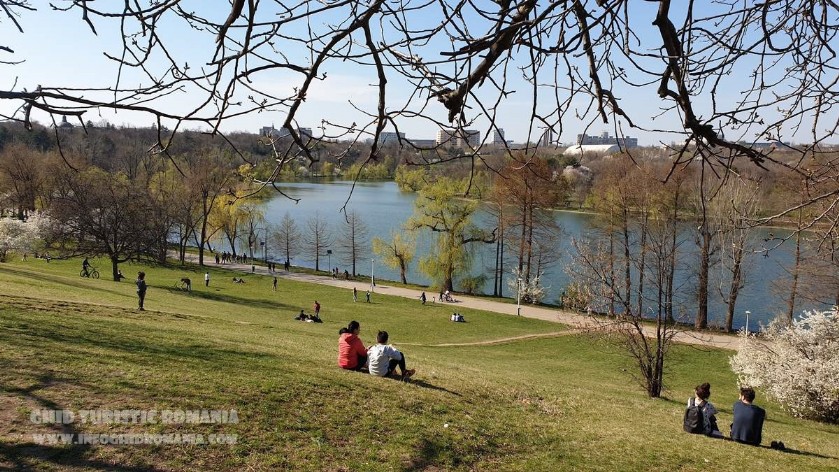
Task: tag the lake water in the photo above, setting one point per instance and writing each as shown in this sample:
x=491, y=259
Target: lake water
x=384, y=208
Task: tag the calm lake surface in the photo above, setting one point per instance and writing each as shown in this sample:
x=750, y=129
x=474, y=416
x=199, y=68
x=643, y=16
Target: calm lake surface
x=384, y=208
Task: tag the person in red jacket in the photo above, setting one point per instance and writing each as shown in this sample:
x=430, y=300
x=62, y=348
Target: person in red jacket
x=352, y=354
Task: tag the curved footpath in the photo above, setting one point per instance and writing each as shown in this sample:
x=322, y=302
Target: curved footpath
x=576, y=321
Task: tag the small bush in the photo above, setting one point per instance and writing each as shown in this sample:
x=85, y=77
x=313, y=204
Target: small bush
x=796, y=364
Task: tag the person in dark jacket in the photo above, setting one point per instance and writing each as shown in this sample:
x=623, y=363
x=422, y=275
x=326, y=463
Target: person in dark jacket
x=747, y=427
x=141, y=288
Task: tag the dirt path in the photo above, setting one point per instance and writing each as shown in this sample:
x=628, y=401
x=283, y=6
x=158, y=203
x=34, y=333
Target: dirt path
x=576, y=321
x=492, y=342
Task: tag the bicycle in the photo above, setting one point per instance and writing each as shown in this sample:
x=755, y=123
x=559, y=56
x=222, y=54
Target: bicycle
x=91, y=273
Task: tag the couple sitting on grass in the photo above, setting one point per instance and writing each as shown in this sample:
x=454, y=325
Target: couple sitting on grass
x=380, y=359
x=747, y=427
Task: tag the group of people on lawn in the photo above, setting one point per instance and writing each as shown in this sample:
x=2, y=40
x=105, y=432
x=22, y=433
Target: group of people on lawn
x=747, y=426
x=381, y=359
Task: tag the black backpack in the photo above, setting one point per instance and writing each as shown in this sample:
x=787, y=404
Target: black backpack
x=694, y=419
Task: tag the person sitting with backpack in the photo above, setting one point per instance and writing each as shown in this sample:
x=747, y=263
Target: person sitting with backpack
x=700, y=415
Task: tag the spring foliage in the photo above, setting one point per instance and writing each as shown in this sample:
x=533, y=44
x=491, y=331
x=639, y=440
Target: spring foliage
x=796, y=364
x=20, y=235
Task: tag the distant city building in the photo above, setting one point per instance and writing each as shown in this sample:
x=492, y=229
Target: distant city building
x=764, y=146
x=271, y=132
x=64, y=123
x=423, y=143
x=498, y=136
x=605, y=139
x=470, y=138
x=445, y=136
x=596, y=149
x=389, y=137
x=459, y=138
x=547, y=138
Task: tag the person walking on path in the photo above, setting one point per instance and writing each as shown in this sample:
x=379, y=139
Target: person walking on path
x=275, y=283
x=317, y=309
x=354, y=294
x=422, y=298
x=141, y=288
x=206, y=279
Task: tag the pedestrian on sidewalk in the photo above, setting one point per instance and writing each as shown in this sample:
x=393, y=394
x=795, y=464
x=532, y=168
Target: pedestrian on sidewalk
x=422, y=298
x=206, y=279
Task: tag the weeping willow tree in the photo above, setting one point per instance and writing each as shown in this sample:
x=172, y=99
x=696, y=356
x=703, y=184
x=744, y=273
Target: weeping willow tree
x=440, y=210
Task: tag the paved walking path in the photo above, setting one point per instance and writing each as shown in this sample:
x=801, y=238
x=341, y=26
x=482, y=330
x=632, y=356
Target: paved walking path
x=576, y=321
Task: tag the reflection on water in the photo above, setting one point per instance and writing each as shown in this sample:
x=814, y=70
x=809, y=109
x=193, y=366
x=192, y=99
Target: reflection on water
x=384, y=208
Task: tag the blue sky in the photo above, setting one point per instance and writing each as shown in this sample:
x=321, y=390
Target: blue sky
x=60, y=50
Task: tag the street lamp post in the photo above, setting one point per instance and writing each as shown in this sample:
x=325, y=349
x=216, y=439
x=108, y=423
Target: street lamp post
x=747, y=320
x=329, y=258
x=518, y=296
x=372, y=277
x=264, y=252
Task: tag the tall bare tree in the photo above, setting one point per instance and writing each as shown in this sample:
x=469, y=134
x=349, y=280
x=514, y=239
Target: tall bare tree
x=105, y=214
x=355, y=240
x=286, y=236
x=317, y=238
x=581, y=61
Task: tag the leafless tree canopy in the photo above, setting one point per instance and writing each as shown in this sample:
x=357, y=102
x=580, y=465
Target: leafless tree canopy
x=713, y=74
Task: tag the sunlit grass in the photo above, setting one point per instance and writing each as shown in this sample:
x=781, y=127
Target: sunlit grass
x=559, y=403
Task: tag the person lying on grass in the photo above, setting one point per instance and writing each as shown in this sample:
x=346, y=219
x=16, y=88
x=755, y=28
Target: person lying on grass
x=383, y=358
x=351, y=352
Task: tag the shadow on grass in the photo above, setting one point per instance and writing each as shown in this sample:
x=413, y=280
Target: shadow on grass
x=801, y=453
x=153, y=344
x=424, y=384
x=236, y=300
x=31, y=456
x=65, y=280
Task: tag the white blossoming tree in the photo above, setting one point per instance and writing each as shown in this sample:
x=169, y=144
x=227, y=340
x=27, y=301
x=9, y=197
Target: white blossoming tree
x=797, y=364
x=530, y=291
x=18, y=235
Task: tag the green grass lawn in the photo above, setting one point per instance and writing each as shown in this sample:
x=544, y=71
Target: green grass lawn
x=558, y=403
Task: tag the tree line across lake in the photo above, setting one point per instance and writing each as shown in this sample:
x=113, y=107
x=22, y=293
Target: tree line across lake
x=106, y=194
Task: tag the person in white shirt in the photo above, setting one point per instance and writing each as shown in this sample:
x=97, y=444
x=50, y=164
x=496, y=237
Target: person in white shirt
x=383, y=358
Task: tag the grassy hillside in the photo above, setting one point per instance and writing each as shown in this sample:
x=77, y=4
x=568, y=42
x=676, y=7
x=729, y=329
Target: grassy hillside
x=555, y=403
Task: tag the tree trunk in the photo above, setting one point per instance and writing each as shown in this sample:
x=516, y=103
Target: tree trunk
x=627, y=275
x=734, y=290
x=701, y=321
x=115, y=268
x=795, y=272
x=642, y=264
